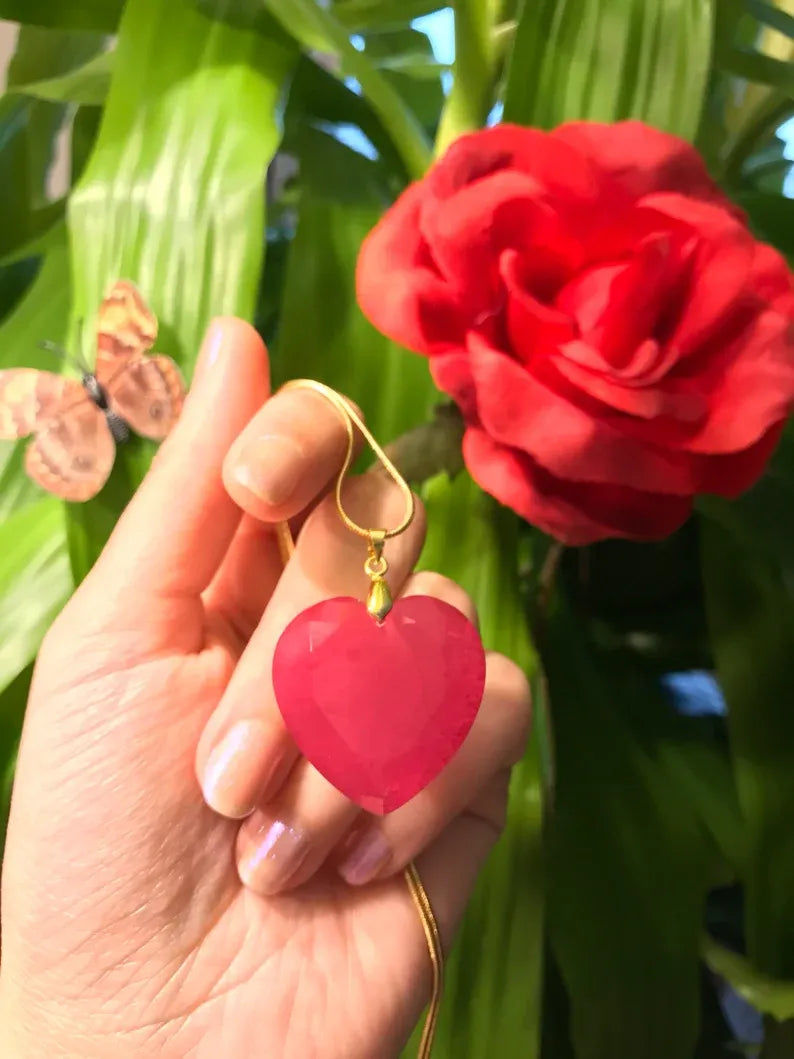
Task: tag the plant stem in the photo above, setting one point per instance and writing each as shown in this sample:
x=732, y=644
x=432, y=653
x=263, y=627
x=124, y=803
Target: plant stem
x=471, y=96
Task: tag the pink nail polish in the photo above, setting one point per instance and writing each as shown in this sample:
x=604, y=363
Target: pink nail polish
x=237, y=769
x=270, y=853
x=366, y=860
x=269, y=467
x=210, y=350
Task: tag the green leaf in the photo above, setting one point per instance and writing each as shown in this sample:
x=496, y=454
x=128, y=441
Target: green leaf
x=361, y=16
x=751, y=616
x=493, y=982
x=342, y=196
x=605, y=60
x=87, y=84
x=629, y=860
x=771, y=218
x=318, y=98
x=314, y=27
x=770, y=996
x=405, y=58
x=35, y=582
x=180, y=213
x=772, y=16
x=73, y=14
x=755, y=66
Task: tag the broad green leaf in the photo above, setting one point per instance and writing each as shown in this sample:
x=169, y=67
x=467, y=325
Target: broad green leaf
x=610, y=59
x=35, y=581
x=87, y=84
x=316, y=28
x=361, y=16
x=629, y=860
x=64, y=14
x=180, y=213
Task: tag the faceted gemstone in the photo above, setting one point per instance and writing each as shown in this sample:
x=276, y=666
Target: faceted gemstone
x=379, y=708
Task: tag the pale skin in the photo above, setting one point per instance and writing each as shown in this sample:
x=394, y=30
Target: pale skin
x=177, y=880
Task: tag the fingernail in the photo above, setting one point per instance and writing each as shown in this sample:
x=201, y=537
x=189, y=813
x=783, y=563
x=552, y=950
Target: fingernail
x=268, y=467
x=210, y=350
x=233, y=776
x=368, y=857
x=271, y=853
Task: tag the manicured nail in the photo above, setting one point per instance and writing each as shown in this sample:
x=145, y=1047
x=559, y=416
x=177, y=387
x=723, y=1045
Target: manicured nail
x=365, y=861
x=235, y=772
x=210, y=350
x=270, y=853
x=269, y=467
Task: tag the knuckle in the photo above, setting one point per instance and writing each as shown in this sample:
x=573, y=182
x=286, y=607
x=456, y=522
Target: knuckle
x=508, y=682
x=443, y=588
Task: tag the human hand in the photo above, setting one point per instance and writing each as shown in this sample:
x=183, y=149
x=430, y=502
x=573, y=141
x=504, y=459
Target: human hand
x=137, y=921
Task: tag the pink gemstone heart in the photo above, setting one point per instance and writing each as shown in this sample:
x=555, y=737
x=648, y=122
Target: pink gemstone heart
x=379, y=709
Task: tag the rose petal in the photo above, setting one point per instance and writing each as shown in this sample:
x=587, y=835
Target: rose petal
x=534, y=328
x=575, y=512
x=642, y=158
x=731, y=474
x=748, y=389
x=397, y=287
x=720, y=266
x=518, y=410
x=551, y=163
x=647, y=402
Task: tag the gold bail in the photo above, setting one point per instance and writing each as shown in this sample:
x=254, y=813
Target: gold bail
x=379, y=601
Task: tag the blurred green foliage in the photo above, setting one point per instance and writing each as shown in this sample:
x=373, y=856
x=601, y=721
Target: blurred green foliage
x=229, y=156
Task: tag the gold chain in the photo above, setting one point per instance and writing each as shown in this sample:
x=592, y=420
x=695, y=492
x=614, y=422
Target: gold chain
x=376, y=537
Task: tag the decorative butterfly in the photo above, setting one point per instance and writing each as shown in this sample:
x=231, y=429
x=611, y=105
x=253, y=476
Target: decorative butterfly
x=76, y=424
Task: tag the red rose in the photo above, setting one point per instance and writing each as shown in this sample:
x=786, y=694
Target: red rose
x=615, y=337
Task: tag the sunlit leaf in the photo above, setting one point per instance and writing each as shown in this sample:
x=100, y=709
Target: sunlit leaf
x=315, y=27
x=180, y=213
x=35, y=581
x=87, y=84
x=611, y=59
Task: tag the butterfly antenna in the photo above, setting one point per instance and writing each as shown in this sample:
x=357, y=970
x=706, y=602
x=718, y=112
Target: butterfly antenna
x=63, y=354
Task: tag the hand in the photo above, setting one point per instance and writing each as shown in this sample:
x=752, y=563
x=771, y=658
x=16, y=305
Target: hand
x=139, y=922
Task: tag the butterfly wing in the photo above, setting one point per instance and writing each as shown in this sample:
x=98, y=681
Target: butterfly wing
x=72, y=452
x=147, y=392
x=126, y=327
x=28, y=398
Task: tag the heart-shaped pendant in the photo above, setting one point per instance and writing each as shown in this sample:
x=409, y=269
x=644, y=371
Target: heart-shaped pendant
x=379, y=708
